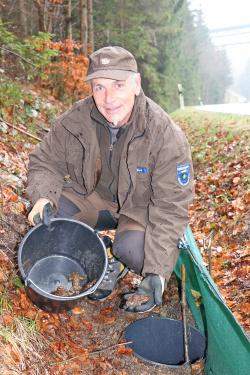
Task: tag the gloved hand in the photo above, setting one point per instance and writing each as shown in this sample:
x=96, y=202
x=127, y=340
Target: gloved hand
x=152, y=287
x=42, y=211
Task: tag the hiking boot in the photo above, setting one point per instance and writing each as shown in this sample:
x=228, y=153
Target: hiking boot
x=115, y=271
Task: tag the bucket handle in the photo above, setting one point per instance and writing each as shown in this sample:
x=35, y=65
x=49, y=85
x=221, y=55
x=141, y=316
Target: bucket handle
x=28, y=283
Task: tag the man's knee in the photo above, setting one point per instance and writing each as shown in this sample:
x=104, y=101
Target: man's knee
x=128, y=247
x=86, y=210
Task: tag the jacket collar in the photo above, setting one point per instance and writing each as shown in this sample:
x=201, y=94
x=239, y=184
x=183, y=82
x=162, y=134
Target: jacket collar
x=77, y=120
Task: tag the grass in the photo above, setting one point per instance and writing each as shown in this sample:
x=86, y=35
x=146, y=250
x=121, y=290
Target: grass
x=219, y=121
x=209, y=135
x=20, y=343
x=5, y=304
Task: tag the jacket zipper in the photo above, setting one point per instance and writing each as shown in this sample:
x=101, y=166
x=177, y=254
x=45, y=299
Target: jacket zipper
x=111, y=147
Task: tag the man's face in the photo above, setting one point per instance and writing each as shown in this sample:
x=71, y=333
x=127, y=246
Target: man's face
x=115, y=99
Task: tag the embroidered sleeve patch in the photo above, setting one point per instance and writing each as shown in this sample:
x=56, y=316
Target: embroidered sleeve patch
x=183, y=174
x=142, y=170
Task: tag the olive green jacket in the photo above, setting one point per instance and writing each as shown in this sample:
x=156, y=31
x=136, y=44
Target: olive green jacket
x=155, y=175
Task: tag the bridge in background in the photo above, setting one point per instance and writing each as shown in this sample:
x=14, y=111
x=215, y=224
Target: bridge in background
x=233, y=35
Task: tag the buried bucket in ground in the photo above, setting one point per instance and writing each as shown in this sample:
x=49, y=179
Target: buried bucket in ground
x=159, y=340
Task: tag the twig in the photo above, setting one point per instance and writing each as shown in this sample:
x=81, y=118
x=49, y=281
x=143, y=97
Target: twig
x=2, y=243
x=3, y=253
x=184, y=316
x=230, y=281
x=21, y=57
x=8, y=253
x=20, y=130
x=207, y=246
x=91, y=353
x=110, y=347
x=44, y=129
x=1, y=196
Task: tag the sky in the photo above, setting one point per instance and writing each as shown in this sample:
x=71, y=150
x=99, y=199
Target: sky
x=228, y=13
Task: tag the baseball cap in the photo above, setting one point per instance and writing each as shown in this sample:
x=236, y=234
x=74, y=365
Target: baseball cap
x=112, y=62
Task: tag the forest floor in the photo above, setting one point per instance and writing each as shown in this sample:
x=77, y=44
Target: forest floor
x=88, y=339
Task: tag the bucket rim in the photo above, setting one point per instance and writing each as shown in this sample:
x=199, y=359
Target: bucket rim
x=160, y=317
x=32, y=285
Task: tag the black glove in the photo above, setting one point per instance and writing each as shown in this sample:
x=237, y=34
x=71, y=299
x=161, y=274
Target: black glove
x=48, y=214
x=152, y=287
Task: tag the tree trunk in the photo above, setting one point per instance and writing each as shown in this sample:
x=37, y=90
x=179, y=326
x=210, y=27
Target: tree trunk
x=46, y=12
x=49, y=11
x=122, y=21
x=83, y=26
x=23, y=21
x=69, y=20
x=41, y=15
x=90, y=25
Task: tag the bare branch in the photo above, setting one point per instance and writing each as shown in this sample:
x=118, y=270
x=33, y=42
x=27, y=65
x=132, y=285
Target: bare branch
x=92, y=353
x=20, y=130
x=21, y=57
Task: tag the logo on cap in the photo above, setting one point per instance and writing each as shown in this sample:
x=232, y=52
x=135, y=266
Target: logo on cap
x=105, y=61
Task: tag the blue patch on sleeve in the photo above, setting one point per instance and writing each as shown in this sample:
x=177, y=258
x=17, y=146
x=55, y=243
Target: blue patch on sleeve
x=142, y=170
x=183, y=174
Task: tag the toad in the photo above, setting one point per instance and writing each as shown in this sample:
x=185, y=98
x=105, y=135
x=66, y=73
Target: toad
x=61, y=291
x=137, y=299
x=76, y=280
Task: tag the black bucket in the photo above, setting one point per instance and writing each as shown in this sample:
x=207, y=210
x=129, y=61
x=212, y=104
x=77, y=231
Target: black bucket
x=48, y=256
x=159, y=340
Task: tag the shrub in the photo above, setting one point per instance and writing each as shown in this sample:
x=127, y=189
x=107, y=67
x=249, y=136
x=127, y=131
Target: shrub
x=65, y=75
x=25, y=59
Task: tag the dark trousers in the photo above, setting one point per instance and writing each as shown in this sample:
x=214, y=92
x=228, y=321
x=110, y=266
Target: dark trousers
x=100, y=214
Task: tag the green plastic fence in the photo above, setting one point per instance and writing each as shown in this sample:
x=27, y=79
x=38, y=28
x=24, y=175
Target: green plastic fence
x=228, y=347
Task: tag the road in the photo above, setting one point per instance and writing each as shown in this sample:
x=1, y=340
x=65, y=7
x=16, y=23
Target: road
x=234, y=108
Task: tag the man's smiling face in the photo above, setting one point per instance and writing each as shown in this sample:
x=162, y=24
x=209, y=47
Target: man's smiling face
x=115, y=99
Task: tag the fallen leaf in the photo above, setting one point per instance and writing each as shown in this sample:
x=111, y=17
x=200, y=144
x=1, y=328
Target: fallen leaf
x=7, y=319
x=124, y=350
x=236, y=180
x=103, y=319
x=87, y=324
x=197, y=367
x=78, y=310
x=106, y=311
x=71, y=368
x=14, y=353
x=238, y=204
x=197, y=297
x=247, y=198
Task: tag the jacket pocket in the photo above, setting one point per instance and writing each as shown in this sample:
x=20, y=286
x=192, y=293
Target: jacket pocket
x=75, y=159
